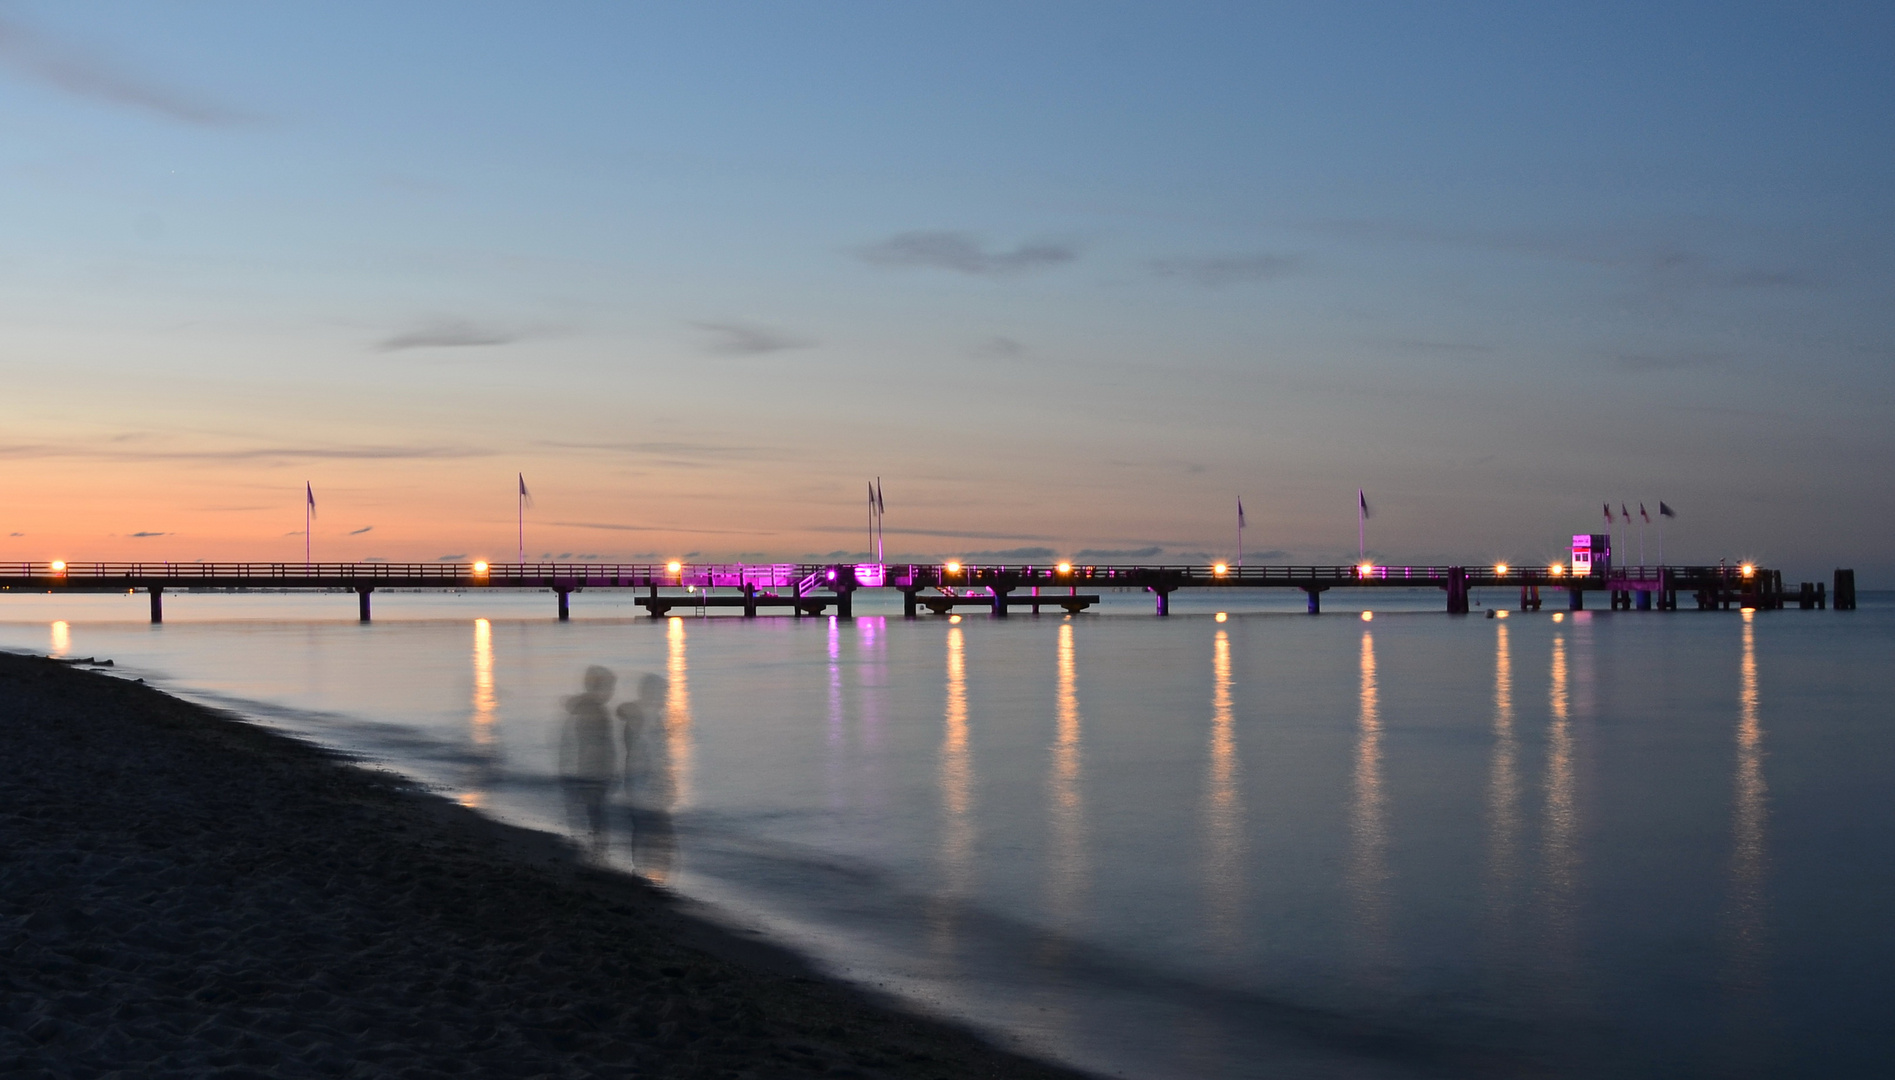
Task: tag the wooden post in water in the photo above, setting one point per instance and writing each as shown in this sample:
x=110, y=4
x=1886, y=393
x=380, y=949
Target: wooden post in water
x=750, y=600
x=565, y=611
x=157, y=604
x=1845, y=591
x=361, y=602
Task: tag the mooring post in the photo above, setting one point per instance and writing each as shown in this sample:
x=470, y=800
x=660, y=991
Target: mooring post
x=361, y=601
x=1844, y=598
x=565, y=611
x=1315, y=595
x=1457, y=590
x=157, y=604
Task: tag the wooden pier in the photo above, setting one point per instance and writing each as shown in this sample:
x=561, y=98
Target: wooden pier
x=813, y=589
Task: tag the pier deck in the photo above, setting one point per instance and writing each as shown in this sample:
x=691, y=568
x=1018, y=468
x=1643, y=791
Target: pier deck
x=811, y=589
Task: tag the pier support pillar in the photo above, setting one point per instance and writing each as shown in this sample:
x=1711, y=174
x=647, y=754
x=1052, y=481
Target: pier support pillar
x=1315, y=595
x=565, y=610
x=1457, y=590
x=1644, y=600
x=908, y=603
x=1529, y=598
x=1163, y=593
x=157, y=604
x=750, y=601
x=361, y=602
x=1575, y=598
x=1000, y=600
x=845, y=602
x=1844, y=598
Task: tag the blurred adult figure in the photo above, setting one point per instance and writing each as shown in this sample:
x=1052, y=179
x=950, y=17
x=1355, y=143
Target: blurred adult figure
x=650, y=787
x=587, y=763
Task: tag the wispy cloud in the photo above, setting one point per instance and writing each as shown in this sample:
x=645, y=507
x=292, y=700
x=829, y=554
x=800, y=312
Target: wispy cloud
x=660, y=449
x=95, y=77
x=141, y=535
x=746, y=339
x=963, y=253
x=1648, y=363
x=615, y=527
x=447, y=334
x=1217, y=271
x=1005, y=348
x=360, y=531
x=952, y=534
x=1012, y=554
x=450, y=558
x=1120, y=553
x=254, y=453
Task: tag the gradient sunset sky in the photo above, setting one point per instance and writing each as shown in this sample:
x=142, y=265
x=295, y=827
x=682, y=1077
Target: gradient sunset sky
x=1070, y=277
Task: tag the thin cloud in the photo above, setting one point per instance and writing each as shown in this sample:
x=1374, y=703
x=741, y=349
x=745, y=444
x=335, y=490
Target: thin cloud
x=260, y=453
x=447, y=334
x=94, y=77
x=1647, y=363
x=1005, y=348
x=16, y=534
x=952, y=534
x=141, y=535
x=660, y=449
x=450, y=558
x=963, y=253
x=1013, y=554
x=613, y=527
x=1217, y=271
x=361, y=530
x=744, y=339
x=1102, y=553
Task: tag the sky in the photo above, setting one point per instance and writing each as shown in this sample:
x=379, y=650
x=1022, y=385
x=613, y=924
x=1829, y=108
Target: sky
x=1070, y=278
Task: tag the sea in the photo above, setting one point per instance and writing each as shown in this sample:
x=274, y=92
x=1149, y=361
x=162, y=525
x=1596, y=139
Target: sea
x=1240, y=841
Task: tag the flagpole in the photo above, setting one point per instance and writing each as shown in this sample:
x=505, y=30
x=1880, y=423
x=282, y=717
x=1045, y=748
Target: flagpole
x=519, y=513
x=1361, y=532
x=309, y=505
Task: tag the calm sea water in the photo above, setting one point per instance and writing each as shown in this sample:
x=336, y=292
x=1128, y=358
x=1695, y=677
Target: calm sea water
x=1636, y=844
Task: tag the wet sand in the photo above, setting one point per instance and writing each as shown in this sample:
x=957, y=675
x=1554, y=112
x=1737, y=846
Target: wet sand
x=184, y=894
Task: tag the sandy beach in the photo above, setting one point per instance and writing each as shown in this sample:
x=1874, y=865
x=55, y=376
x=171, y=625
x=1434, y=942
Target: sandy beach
x=185, y=894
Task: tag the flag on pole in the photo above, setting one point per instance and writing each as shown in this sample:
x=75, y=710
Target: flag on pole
x=1240, y=513
x=526, y=497
x=309, y=497
x=1364, y=499
x=1624, y=513
x=1642, y=515
x=1666, y=511
x=1607, y=507
x=880, y=506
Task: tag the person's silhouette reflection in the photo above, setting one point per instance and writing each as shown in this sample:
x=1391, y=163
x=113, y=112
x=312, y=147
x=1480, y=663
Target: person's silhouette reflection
x=650, y=788
x=586, y=760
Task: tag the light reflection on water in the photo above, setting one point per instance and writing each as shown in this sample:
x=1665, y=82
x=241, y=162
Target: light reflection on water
x=1268, y=845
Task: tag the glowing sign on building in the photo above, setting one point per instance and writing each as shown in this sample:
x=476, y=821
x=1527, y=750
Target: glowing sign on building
x=1592, y=553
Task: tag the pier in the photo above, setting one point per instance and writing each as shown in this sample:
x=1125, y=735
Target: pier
x=804, y=589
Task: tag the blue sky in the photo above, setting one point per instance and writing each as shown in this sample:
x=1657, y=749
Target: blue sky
x=1067, y=276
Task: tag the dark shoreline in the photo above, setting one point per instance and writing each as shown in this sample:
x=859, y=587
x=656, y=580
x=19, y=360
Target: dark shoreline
x=183, y=893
